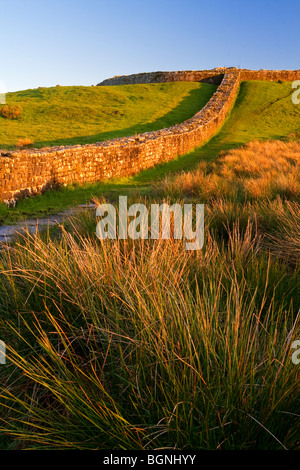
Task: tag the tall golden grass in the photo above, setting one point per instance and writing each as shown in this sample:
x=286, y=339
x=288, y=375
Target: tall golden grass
x=257, y=170
x=122, y=344
x=140, y=344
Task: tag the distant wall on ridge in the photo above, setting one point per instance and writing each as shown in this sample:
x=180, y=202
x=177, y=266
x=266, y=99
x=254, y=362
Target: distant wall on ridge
x=208, y=76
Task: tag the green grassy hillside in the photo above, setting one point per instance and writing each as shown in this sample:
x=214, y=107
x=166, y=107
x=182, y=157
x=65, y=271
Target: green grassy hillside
x=263, y=110
x=79, y=115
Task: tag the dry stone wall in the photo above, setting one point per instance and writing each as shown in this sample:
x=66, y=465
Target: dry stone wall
x=270, y=75
x=30, y=171
x=209, y=76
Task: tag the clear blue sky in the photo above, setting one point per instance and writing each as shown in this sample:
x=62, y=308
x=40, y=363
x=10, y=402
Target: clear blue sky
x=81, y=42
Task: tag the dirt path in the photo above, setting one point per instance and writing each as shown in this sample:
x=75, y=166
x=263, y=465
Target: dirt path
x=8, y=232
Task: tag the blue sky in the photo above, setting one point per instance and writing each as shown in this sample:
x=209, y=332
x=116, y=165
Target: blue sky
x=81, y=42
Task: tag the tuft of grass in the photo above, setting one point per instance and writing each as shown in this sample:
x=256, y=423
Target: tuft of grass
x=11, y=112
x=24, y=143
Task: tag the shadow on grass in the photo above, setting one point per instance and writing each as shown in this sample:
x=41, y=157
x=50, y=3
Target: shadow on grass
x=229, y=136
x=187, y=108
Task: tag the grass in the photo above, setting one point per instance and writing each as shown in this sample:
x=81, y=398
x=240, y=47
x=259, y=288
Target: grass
x=140, y=344
x=262, y=111
x=80, y=115
x=258, y=170
x=144, y=345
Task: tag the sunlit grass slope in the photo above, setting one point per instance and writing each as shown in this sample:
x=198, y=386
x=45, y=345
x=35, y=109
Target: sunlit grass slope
x=262, y=111
x=257, y=170
x=79, y=114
